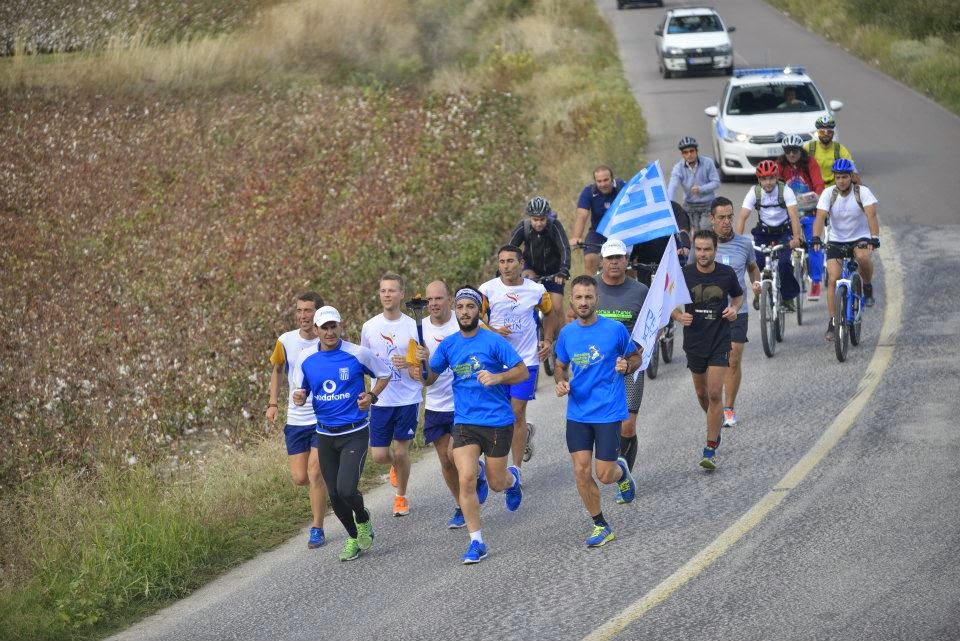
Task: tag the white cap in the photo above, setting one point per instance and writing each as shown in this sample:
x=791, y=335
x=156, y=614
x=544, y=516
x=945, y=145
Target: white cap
x=326, y=314
x=613, y=247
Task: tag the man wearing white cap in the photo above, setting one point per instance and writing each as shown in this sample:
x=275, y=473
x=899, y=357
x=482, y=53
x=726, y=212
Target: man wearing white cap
x=334, y=375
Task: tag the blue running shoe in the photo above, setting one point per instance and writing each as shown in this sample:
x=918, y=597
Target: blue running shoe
x=627, y=486
x=602, y=534
x=514, y=493
x=619, y=497
x=482, y=487
x=456, y=521
x=475, y=553
x=316, y=538
x=709, y=460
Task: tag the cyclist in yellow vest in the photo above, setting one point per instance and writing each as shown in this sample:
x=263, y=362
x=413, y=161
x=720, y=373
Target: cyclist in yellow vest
x=825, y=150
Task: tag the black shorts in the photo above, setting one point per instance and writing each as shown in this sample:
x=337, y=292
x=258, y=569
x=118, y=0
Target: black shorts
x=839, y=251
x=493, y=441
x=699, y=364
x=738, y=329
x=593, y=242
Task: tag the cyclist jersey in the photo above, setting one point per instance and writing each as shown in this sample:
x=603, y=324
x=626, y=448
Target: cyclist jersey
x=704, y=175
x=286, y=352
x=384, y=338
x=737, y=253
x=825, y=156
x=847, y=221
x=515, y=306
x=773, y=211
x=596, y=202
x=545, y=252
x=809, y=176
x=597, y=393
x=335, y=380
x=440, y=394
x=473, y=403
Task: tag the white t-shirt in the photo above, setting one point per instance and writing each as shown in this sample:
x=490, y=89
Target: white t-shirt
x=286, y=352
x=847, y=221
x=385, y=338
x=515, y=306
x=440, y=394
x=771, y=213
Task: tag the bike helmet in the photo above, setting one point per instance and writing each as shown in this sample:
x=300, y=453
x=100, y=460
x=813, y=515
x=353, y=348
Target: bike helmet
x=843, y=166
x=538, y=206
x=767, y=168
x=792, y=141
x=826, y=122
x=687, y=141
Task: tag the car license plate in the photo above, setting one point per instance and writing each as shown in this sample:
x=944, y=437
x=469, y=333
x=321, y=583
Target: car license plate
x=699, y=61
x=773, y=151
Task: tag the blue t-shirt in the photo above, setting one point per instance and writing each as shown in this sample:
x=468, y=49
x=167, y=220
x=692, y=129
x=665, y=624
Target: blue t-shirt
x=474, y=404
x=334, y=379
x=596, y=202
x=597, y=393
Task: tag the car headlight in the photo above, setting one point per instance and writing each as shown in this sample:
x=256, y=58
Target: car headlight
x=734, y=136
x=674, y=51
x=723, y=49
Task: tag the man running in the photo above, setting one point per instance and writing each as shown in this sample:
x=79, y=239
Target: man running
x=483, y=365
x=706, y=332
x=300, y=430
x=514, y=301
x=600, y=353
x=620, y=298
x=393, y=419
x=334, y=376
x=734, y=250
x=593, y=203
x=698, y=177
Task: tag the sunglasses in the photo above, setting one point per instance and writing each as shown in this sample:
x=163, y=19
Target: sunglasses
x=791, y=150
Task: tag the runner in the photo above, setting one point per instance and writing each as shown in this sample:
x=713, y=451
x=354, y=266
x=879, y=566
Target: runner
x=513, y=302
x=334, y=376
x=483, y=365
x=706, y=332
x=300, y=430
x=393, y=419
x=600, y=353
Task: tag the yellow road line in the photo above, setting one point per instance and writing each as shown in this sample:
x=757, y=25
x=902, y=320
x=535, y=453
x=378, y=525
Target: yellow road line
x=882, y=355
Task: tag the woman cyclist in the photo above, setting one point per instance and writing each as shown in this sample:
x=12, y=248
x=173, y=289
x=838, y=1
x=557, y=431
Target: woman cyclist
x=801, y=173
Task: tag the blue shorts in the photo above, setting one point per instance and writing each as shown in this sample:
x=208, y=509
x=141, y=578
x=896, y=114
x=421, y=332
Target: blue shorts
x=436, y=424
x=393, y=424
x=300, y=438
x=527, y=390
x=582, y=437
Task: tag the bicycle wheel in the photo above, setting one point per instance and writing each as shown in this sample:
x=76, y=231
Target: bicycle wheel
x=800, y=273
x=653, y=367
x=856, y=311
x=780, y=327
x=666, y=348
x=767, y=321
x=841, y=332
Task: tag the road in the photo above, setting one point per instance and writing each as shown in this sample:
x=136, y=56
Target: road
x=864, y=546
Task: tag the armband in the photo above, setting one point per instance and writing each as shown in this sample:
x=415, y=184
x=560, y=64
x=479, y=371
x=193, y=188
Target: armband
x=271, y=405
x=875, y=241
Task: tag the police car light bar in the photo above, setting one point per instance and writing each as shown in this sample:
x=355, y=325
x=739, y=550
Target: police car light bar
x=767, y=71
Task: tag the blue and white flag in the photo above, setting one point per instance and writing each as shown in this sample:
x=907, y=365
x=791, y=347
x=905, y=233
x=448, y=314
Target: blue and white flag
x=668, y=290
x=641, y=211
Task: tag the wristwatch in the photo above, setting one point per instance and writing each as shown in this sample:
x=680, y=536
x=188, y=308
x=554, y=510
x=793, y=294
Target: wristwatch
x=374, y=396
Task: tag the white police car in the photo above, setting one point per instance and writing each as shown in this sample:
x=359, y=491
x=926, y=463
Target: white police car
x=693, y=39
x=757, y=109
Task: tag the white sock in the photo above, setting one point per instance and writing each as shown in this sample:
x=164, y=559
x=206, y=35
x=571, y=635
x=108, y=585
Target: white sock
x=476, y=536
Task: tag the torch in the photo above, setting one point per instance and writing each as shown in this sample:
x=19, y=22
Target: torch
x=416, y=307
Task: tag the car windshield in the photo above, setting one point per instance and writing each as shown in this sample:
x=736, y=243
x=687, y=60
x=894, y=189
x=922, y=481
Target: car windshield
x=694, y=24
x=774, y=97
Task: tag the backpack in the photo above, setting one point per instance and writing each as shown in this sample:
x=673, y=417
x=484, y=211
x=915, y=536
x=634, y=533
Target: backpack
x=812, y=149
x=836, y=194
x=780, y=202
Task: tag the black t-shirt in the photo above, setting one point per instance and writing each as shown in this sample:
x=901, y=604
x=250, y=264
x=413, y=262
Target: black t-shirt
x=710, y=333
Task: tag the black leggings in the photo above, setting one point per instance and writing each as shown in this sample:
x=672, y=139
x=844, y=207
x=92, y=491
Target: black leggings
x=341, y=463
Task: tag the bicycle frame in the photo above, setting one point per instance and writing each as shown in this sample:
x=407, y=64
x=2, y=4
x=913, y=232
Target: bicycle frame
x=848, y=267
x=770, y=272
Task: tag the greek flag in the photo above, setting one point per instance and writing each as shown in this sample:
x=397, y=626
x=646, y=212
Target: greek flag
x=668, y=290
x=641, y=211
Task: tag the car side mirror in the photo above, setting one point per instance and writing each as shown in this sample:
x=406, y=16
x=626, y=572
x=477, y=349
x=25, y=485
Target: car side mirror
x=836, y=105
x=731, y=29
x=712, y=111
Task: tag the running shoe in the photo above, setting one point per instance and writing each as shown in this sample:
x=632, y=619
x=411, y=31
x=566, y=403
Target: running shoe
x=868, y=298
x=602, y=534
x=456, y=521
x=350, y=551
x=619, y=497
x=829, y=333
x=514, y=493
x=528, y=448
x=400, y=506
x=709, y=460
x=814, y=291
x=627, y=486
x=475, y=553
x=365, y=533
x=729, y=417
x=316, y=538
x=393, y=476
x=482, y=487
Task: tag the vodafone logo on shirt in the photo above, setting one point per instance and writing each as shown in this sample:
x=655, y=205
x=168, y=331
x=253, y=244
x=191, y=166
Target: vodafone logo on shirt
x=330, y=387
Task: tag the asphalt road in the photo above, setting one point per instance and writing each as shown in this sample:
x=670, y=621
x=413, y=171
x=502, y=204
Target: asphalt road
x=864, y=547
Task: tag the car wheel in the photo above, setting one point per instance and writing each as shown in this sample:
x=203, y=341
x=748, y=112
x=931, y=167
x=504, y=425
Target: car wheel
x=619, y=4
x=728, y=71
x=724, y=177
x=659, y=3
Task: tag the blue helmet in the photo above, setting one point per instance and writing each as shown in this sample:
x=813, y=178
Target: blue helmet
x=843, y=166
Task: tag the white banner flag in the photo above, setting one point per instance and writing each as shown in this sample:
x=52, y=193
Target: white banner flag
x=667, y=292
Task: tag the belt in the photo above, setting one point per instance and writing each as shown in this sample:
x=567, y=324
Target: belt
x=346, y=427
x=767, y=229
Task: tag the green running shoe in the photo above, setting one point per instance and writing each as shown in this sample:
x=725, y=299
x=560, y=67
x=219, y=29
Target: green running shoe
x=365, y=534
x=602, y=534
x=350, y=551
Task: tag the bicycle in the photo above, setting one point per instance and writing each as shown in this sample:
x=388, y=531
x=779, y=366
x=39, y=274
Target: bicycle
x=666, y=337
x=773, y=316
x=798, y=258
x=848, y=319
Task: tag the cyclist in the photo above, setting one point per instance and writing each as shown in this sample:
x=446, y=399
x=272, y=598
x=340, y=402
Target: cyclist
x=700, y=180
x=546, y=251
x=651, y=251
x=593, y=203
x=801, y=173
x=776, y=206
x=826, y=151
x=853, y=221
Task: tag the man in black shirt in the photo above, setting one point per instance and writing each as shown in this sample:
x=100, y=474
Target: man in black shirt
x=716, y=294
